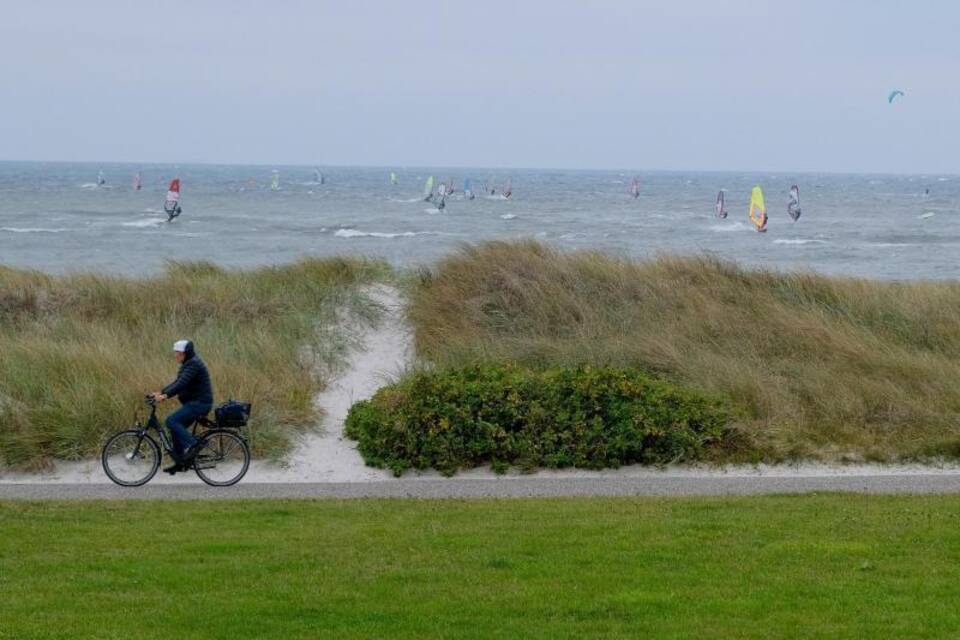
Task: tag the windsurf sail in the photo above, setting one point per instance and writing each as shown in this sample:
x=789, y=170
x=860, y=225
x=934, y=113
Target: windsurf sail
x=635, y=188
x=318, y=176
x=101, y=180
x=721, y=206
x=137, y=183
x=467, y=189
x=508, y=189
x=793, y=206
x=758, y=210
x=172, y=204
x=894, y=94
x=393, y=177
x=428, y=189
x=275, y=182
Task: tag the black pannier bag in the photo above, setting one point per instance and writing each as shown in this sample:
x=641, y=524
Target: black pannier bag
x=232, y=414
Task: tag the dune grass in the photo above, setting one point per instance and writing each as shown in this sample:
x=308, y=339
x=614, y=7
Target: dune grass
x=78, y=352
x=815, y=566
x=820, y=367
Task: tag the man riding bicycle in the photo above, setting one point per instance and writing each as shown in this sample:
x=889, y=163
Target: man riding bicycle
x=195, y=392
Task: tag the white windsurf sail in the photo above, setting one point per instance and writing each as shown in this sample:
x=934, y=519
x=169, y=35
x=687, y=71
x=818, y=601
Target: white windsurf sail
x=721, y=207
x=793, y=205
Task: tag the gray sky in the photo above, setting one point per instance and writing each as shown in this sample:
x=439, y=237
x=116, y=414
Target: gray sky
x=702, y=84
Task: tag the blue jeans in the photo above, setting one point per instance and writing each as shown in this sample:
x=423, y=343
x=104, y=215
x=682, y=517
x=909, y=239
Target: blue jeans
x=179, y=421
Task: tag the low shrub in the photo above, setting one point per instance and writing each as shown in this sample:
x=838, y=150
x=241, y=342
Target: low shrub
x=591, y=417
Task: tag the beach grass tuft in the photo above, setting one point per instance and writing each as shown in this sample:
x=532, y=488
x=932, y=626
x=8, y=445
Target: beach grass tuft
x=819, y=367
x=78, y=352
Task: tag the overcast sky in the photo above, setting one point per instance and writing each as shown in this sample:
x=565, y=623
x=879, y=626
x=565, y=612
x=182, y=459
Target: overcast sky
x=703, y=84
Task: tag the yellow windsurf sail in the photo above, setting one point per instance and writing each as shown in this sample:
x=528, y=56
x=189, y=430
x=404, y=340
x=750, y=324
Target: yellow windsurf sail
x=758, y=210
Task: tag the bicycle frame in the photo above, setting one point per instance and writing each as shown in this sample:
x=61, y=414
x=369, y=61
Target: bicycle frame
x=154, y=423
x=165, y=441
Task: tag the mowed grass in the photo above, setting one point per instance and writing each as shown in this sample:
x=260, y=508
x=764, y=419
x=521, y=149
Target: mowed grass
x=814, y=566
x=78, y=352
x=820, y=367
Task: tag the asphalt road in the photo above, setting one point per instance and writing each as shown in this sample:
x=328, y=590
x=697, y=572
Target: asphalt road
x=510, y=487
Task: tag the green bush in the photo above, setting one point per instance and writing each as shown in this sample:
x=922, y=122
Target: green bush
x=592, y=417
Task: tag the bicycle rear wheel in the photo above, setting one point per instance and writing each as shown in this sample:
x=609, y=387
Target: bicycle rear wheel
x=223, y=458
x=130, y=458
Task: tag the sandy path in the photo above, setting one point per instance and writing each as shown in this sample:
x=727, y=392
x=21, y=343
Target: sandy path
x=328, y=456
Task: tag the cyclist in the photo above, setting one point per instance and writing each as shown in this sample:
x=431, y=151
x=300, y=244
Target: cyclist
x=195, y=392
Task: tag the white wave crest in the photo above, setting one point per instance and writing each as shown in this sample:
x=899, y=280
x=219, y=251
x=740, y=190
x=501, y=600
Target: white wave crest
x=735, y=226
x=798, y=241
x=508, y=216
x=149, y=222
x=354, y=233
x=31, y=230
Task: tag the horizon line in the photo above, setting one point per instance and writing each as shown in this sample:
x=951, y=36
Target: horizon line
x=479, y=167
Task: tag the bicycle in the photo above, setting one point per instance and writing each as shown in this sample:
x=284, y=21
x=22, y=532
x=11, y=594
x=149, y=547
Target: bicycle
x=132, y=457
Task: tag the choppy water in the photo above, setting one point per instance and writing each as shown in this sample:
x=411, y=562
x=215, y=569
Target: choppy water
x=53, y=217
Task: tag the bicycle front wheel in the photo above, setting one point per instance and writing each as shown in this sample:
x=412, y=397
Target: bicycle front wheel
x=223, y=458
x=130, y=458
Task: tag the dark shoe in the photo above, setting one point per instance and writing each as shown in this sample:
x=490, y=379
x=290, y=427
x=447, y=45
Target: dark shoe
x=174, y=468
x=191, y=453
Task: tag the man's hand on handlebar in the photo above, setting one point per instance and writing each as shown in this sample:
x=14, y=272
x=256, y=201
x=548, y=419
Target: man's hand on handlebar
x=158, y=397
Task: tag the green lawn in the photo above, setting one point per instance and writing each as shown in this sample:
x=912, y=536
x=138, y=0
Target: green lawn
x=817, y=566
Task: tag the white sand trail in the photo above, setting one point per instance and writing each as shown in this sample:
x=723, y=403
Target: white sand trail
x=384, y=352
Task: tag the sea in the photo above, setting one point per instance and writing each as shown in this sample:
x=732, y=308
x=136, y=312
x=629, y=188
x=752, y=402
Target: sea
x=54, y=217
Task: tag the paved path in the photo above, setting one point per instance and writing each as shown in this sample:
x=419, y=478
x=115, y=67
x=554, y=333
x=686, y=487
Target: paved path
x=512, y=487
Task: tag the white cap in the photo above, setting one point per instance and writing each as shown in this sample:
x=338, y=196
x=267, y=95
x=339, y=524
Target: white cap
x=180, y=345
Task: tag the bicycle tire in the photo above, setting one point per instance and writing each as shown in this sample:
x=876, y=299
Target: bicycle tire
x=144, y=440
x=212, y=452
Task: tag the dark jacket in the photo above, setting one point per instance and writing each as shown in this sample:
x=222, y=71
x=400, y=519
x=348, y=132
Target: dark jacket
x=193, y=381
